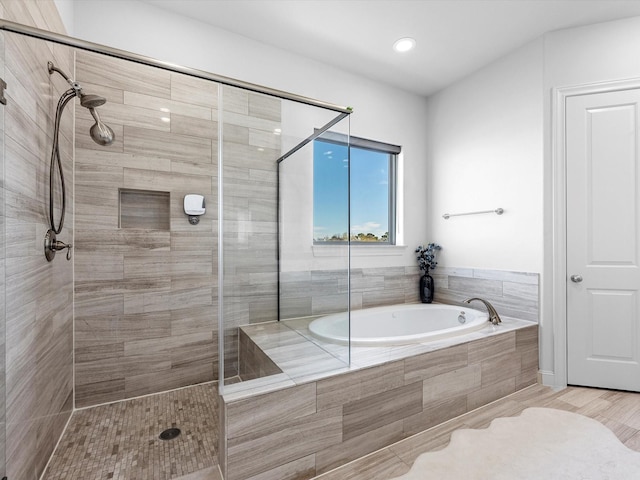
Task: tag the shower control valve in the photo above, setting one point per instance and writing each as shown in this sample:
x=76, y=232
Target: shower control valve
x=51, y=246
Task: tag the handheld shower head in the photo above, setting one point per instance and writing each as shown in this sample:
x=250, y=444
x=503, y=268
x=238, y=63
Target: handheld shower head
x=100, y=132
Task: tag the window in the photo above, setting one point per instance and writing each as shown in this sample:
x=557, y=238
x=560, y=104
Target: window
x=372, y=194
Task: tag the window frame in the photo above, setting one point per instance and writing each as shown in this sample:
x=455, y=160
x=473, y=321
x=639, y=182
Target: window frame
x=393, y=151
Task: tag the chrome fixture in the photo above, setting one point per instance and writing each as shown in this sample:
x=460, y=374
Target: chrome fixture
x=493, y=315
x=51, y=246
x=99, y=132
x=497, y=211
x=576, y=278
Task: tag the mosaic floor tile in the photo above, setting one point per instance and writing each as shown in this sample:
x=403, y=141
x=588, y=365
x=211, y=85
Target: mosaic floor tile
x=120, y=441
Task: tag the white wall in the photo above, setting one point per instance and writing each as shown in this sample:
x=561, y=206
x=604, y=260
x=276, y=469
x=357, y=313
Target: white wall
x=66, y=10
x=382, y=112
x=485, y=150
x=596, y=53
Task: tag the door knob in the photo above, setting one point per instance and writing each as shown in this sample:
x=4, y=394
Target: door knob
x=576, y=278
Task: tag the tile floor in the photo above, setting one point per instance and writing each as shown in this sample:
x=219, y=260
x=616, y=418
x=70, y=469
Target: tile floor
x=121, y=440
x=619, y=411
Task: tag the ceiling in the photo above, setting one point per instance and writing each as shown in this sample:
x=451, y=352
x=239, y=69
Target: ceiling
x=454, y=37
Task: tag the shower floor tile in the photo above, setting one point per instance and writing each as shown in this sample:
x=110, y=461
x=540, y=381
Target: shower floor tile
x=121, y=440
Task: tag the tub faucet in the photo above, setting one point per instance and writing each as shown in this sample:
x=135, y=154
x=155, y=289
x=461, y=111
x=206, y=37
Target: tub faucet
x=493, y=315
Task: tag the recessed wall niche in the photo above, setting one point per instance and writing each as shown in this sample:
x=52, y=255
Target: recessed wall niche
x=146, y=209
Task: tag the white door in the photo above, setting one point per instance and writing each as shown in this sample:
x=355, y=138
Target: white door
x=603, y=240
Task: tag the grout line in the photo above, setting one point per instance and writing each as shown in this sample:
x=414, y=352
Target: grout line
x=64, y=430
x=143, y=396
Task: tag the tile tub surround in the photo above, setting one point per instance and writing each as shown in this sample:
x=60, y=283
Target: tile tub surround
x=513, y=294
x=321, y=423
x=322, y=292
x=39, y=294
x=253, y=362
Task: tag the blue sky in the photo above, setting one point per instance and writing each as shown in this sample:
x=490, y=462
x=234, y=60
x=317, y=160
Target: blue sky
x=369, y=190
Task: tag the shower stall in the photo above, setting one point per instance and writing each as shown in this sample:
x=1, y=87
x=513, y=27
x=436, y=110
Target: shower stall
x=147, y=301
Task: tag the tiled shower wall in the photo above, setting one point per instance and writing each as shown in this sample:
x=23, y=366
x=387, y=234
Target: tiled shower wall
x=145, y=303
x=251, y=149
x=146, y=298
x=39, y=294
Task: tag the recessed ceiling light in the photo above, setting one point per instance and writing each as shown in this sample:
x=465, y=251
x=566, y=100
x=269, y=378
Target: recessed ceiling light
x=404, y=44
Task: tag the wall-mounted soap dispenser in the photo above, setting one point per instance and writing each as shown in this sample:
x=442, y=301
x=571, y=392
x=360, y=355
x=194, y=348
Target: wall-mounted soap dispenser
x=194, y=207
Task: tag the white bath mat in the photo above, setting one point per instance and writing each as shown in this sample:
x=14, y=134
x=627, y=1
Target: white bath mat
x=540, y=444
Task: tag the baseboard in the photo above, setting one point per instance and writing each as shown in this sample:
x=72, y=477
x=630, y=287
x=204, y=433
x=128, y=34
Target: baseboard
x=548, y=378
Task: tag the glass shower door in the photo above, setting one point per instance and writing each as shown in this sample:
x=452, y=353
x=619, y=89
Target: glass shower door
x=3, y=421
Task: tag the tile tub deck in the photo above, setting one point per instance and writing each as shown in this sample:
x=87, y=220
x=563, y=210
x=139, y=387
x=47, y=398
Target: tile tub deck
x=320, y=413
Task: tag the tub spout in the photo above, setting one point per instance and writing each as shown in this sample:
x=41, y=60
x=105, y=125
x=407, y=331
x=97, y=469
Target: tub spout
x=493, y=315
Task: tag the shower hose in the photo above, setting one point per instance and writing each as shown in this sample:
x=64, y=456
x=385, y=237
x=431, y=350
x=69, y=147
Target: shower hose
x=56, y=165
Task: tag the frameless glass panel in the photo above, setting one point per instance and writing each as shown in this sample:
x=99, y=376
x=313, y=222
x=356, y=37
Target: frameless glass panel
x=251, y=145
x=274, y=282
x=315, y=279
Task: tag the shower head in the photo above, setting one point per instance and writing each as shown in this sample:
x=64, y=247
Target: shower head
x=92, y=101
x=100, y=133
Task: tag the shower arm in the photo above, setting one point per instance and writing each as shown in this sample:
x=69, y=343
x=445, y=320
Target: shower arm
x=76, y=87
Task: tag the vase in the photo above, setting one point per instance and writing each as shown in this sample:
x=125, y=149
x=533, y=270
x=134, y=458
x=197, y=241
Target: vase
x=426, y=288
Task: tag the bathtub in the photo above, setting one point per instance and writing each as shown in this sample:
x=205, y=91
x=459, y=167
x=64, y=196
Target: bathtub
x=398, y=324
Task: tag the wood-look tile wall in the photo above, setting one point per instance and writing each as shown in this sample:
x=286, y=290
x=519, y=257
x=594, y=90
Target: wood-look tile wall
x=145, y=304
x=253, y=362
x=321, y=292
x=39, y=294
x=308, y=429
x=251, y=147
x=514, y=294
x=146, y=299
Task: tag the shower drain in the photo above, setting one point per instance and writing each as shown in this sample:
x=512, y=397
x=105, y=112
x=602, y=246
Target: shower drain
x=170, y=434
